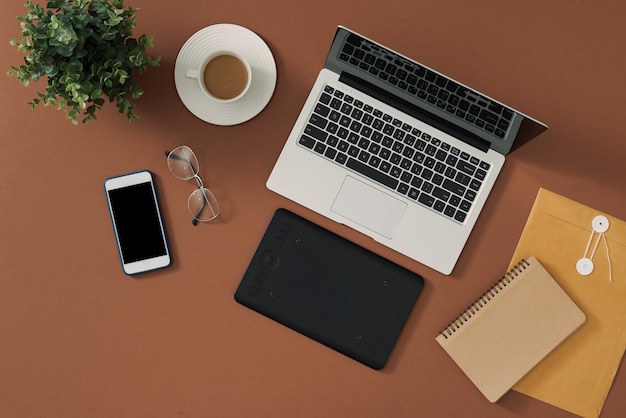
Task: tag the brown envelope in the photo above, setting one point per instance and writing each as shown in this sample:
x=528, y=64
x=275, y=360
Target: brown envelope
x=578, y=374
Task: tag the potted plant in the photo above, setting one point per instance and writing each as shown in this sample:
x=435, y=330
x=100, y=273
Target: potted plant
x=87, y=52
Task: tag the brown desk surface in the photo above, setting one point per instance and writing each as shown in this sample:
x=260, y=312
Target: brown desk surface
x=79, y=338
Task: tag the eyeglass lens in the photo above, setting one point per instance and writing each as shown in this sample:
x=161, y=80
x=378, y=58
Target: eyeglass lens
x=183, y=163
x=203, y=205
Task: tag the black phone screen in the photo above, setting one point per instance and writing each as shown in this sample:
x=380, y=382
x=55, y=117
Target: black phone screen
x=137, y=222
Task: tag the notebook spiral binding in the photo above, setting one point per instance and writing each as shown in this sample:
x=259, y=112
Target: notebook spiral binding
x=481, y=302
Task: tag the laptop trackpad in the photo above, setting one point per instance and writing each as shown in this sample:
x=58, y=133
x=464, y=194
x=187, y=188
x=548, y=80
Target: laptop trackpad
x=369, y=207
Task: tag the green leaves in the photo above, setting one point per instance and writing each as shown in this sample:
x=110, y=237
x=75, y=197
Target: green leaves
x=87, y=51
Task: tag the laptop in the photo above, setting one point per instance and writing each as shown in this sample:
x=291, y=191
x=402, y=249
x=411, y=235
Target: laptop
x=397, y=150
x=329, y=289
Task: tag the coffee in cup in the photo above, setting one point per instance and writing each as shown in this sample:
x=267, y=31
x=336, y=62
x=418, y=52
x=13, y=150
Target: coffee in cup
x=224, y=76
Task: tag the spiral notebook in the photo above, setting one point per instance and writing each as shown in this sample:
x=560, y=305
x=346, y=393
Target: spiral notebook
x=511, y=328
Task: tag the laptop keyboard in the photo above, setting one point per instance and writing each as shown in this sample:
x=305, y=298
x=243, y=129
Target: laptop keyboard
x=404, y=159
x=428, y=86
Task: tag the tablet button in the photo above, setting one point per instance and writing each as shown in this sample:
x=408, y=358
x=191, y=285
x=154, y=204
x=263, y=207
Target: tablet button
x=270, y=259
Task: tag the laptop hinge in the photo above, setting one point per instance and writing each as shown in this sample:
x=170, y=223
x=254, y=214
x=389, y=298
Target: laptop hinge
x=415, y=111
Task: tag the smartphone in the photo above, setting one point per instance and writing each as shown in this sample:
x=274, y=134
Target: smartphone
x=137, y=222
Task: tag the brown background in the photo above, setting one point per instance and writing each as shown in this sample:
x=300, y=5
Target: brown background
x=78, y=338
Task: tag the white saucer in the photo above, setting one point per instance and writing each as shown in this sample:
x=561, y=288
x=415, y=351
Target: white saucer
x=244, y=42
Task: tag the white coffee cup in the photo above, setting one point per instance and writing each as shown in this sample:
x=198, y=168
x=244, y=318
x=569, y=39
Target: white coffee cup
x=225, y=76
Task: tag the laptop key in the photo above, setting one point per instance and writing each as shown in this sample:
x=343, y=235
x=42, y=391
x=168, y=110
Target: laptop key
x=319, y=148
x=462, y=179
x=489, y=117
x=460, y=216
x=307, y=142
x=466, y=167
x=406, y=177
x=318, y=121
x=322, y=110
x=364, y=156
x=315, y=132
x=475, y=185
x=426, y=200
x=454, y=187
x=355, y=126
x=354, y=39
x=465, y=206
x=442, y=194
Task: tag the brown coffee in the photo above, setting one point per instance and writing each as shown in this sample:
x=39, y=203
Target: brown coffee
x=225, y=76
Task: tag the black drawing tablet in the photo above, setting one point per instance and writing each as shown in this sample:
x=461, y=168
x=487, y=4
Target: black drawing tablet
x=329, y=289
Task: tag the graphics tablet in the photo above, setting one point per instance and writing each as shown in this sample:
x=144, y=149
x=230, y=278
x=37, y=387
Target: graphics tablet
x=329, y=289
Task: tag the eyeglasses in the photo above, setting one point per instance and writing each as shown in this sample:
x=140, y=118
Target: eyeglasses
x=183, y=165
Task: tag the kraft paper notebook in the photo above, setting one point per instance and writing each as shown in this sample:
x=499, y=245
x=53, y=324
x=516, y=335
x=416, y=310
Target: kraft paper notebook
x=577, y=376
x=511, y=328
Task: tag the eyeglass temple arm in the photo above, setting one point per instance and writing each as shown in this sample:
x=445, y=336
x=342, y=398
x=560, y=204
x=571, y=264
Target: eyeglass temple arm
x=174, y=156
